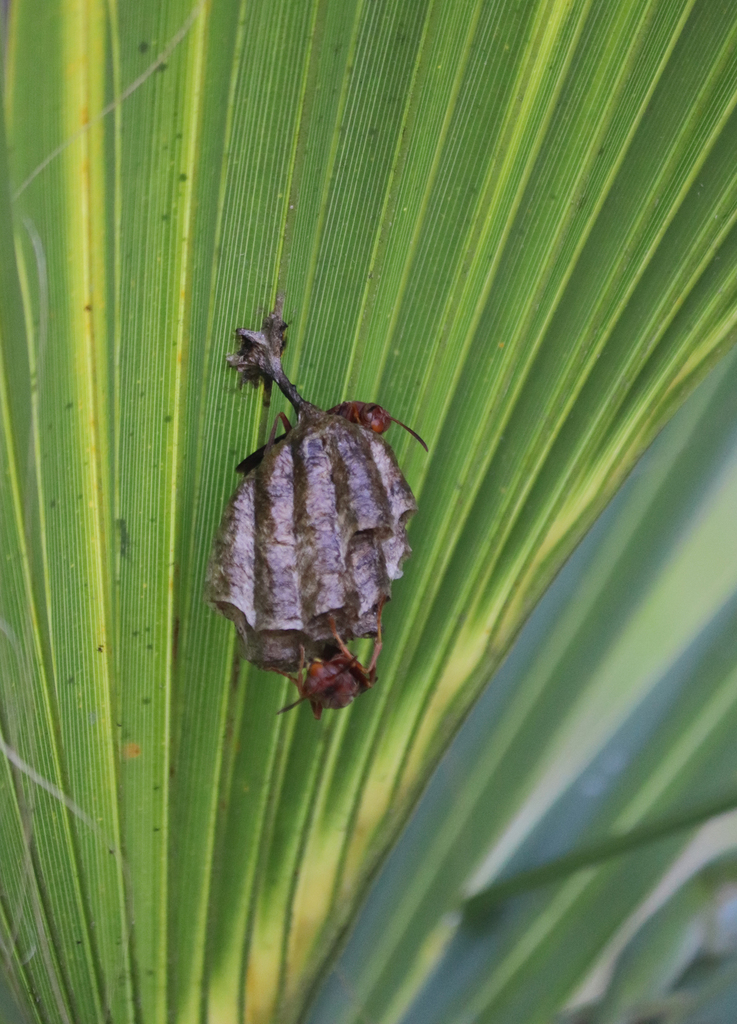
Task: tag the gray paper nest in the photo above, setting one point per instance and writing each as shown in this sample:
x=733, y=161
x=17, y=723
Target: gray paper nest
x=316, y=529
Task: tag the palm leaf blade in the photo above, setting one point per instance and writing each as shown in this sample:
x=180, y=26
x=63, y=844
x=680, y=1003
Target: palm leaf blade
x=471, y=223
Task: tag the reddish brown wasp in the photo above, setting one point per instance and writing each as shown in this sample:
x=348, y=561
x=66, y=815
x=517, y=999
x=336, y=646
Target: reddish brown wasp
x=337, y=682
x=366, y=414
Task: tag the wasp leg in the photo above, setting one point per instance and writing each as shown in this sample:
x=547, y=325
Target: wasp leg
x=343, y=648
x=378, y=644
x=287, y=426
x=298, y=682
x=285, y=674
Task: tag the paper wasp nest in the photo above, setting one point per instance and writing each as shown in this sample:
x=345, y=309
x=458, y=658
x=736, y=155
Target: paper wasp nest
x=316, y=528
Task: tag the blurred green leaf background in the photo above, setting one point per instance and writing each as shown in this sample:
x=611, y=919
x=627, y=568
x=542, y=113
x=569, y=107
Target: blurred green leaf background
x=563, y=821
x=513, y=225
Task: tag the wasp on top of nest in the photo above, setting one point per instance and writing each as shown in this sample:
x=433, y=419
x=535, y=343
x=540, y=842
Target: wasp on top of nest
x=308, y=546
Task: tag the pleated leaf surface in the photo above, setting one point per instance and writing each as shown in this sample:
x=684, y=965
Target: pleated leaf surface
x=561, y=820
x=511, y=224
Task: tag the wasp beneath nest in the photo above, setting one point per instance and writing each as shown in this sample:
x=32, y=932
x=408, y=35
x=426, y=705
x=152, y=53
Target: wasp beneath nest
x=337, y=682
x=309, y=544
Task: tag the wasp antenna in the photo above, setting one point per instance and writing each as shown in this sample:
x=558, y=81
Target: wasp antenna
x=290, y=706
x=410, y=431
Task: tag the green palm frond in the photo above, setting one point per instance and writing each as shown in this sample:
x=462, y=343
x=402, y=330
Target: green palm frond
x=512, y=224
x=571, y=816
